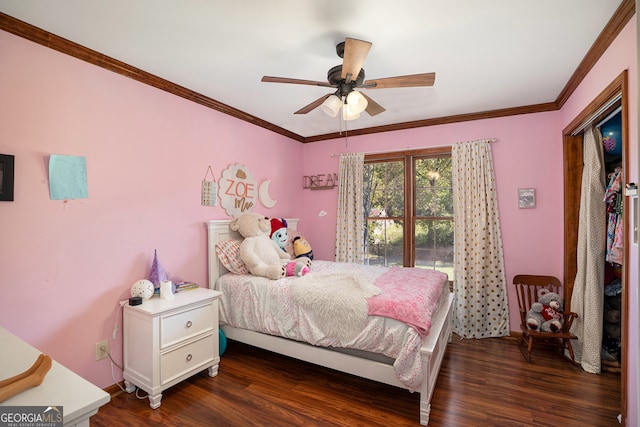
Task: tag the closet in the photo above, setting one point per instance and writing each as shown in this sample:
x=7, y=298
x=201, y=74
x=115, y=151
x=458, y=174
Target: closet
x=609, y=109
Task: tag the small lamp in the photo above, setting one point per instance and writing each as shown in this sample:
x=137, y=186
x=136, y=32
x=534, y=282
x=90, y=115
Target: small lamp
x=142, y=288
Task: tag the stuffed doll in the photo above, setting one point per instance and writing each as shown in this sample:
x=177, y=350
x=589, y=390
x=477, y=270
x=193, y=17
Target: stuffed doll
x=262, y=255
x=545, y=314
x=279, y=232
x=295, y=268
x=302, y=248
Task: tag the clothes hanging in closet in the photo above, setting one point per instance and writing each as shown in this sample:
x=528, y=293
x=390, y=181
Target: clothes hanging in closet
x=613, y=199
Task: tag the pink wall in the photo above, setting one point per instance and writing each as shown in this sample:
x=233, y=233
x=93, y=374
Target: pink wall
x=65, y=265
x=528, y=153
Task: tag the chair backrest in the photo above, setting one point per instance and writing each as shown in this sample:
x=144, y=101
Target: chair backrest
x=527, y=287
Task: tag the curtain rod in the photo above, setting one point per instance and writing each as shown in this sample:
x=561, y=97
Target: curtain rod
x=418, y=148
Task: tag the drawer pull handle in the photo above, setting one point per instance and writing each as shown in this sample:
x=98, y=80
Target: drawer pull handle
x=189, y=357
x=189, y=323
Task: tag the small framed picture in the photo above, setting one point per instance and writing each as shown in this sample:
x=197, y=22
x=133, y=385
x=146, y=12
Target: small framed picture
x=526, y=198
x=6, y=177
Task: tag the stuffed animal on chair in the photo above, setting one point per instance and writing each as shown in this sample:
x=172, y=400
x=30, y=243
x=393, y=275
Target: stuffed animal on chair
x=262, y=256
x=546, y=314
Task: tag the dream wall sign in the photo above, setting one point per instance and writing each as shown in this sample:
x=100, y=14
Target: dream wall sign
x=320, y=182
x=237, y=190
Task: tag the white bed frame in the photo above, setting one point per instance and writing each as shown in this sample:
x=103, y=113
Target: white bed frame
x=432, y=350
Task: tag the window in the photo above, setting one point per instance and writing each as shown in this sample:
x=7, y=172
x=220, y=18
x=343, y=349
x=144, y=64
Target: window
x=408, y=209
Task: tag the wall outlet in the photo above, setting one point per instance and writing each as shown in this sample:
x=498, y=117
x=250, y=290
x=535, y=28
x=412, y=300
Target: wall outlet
x=102, y=348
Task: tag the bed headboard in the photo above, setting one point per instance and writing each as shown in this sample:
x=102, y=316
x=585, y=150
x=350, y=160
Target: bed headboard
x=218, y=230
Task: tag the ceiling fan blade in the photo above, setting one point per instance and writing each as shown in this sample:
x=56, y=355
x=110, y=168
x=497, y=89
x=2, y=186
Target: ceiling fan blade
x=355, y=51
x=315, y=104
x=270, y=79
x=373, y=108
x=413, y=80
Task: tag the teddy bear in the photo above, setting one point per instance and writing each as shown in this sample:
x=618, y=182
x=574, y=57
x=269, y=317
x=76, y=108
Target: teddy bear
x=262, y=255
x=545, y=314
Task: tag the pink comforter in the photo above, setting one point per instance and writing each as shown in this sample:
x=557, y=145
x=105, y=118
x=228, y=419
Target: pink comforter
x=409, y=295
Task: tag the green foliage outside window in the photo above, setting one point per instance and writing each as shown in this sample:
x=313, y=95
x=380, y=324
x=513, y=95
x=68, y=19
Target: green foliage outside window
x=384, y=211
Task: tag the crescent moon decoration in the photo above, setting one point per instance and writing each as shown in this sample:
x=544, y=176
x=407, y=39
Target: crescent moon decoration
x=264, y=196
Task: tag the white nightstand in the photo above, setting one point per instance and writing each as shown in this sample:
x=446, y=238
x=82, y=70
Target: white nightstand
x=167, y=341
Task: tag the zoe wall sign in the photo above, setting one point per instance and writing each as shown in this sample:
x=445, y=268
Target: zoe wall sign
x=237, y=191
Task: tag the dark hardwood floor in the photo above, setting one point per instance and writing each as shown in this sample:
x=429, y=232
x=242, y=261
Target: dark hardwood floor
x=481, y=383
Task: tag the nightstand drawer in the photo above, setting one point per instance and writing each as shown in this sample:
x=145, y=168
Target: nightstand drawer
x=184, y=359
x=180, y=326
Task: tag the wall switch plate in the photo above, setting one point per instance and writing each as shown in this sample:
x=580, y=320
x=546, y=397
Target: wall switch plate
x=102, y=348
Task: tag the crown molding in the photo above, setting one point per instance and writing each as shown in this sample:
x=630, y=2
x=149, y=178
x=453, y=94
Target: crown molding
x=621, y=17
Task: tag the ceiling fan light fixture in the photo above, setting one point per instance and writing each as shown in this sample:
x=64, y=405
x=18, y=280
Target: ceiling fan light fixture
x=349, y=76
x=348, y=113
x=331, y=105
x=356, y=102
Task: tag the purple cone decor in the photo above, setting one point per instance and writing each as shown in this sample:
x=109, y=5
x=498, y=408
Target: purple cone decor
x=157, y=274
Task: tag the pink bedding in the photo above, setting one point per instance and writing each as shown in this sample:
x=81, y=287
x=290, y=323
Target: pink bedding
x=267, y=306
x=409, y=295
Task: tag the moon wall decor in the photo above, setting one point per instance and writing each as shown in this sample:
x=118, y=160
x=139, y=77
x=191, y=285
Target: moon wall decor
x=264, y=195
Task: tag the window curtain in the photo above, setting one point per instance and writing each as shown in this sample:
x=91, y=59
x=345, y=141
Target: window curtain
x=480, y=303
x=587, y=298
x=350, y=224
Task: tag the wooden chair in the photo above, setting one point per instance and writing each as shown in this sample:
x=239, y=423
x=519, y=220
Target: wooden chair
x=527, y=287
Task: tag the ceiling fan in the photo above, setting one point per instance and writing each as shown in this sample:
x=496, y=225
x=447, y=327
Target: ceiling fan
x=347, y=77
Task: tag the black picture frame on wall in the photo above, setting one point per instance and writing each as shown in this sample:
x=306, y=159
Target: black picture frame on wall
x=6, y=177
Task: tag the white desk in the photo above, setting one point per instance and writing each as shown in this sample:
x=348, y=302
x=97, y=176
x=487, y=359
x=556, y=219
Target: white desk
x=61, y=387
